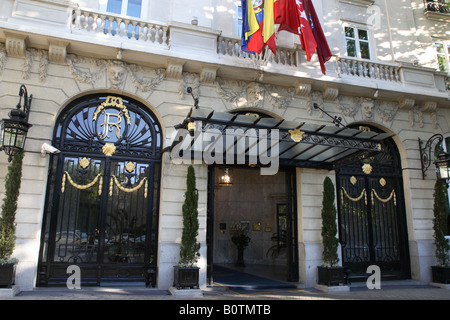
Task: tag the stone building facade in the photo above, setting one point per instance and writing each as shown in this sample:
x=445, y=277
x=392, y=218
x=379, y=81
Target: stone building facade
x=387, y=74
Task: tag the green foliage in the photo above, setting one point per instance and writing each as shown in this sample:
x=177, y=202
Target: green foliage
x=189, y=251
x=9, y=208
x=240, y=237
x=440, y=211
x=329, y=226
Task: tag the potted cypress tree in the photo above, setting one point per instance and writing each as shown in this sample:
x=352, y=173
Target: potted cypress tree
x=186, y=273
x=441, y=272
x=7, y=222
x=330, y=273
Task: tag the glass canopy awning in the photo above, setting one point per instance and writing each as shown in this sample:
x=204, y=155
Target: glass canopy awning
x=244, y=138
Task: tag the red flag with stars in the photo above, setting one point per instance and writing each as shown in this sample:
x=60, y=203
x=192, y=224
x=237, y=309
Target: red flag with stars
x=323, y=50
x=292, y=17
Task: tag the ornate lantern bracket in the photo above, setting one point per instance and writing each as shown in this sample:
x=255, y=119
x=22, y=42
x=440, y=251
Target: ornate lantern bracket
x=196, y=100
x=337, y=121
x=426, y=156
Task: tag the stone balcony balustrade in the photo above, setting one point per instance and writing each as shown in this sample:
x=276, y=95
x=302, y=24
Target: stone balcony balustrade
x=367, y=69
x=123, y=27
x=226, y=50
x=71, y=29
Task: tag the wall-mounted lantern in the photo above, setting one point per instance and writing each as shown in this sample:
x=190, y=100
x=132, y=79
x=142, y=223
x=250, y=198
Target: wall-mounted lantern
x=14, y=130
x=443, y=167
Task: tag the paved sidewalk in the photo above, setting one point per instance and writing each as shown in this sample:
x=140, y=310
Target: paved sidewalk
x=407, y=290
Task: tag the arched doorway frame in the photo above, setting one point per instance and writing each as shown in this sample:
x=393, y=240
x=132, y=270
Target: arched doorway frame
x=402, y=202
x=141, y=178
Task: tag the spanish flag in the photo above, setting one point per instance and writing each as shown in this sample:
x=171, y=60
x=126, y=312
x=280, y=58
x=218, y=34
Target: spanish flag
x=269, y=24
x=258, y=28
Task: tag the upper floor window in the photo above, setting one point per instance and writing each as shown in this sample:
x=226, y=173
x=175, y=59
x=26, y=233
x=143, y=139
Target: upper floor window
x=239, y=19
x=131, y=8
x=357, y=42
x=443, y=55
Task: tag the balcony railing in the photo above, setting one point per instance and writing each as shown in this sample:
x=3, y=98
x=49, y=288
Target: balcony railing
x=231, y=47
x=437, y=6
x=367, y=69
x=119, y=26
x=228, y=49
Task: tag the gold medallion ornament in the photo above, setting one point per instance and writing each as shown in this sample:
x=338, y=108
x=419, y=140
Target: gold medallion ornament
x=84, y=163
x=367, y=168
x=353, y=180
x=109, y=149
x=383, y=182
x=296, y=135
x=130, y=166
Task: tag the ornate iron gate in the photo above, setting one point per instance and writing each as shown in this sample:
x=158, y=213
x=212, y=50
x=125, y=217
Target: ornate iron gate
x=372, y=219
x=102, y=196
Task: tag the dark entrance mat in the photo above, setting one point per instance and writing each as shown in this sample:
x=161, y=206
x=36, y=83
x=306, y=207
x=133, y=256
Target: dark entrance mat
x=245, y=283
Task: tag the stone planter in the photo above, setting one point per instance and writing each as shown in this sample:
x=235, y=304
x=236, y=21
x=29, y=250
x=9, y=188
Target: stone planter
x=185, y=277
x=440, y=274
x=7, y=275
x=331, y=276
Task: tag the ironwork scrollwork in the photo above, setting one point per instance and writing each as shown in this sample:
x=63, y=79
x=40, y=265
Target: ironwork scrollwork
x=425, y=152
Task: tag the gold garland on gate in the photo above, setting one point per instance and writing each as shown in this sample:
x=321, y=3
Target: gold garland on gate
x=129, y=190
x=392, y=195
x=363, y=194
x=79, y=186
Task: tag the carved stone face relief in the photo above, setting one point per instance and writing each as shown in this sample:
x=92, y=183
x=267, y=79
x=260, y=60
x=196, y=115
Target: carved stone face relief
x=255, y=94
x=116, y=71
x=366, y=109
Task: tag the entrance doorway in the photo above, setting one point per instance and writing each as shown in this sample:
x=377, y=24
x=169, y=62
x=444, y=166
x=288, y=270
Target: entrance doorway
x=372, y=216
x=101, y=209
x=263, y=207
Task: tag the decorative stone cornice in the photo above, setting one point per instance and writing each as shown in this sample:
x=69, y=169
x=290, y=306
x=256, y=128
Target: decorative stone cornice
x=208, y=75
x=406, y=103
x=15, y=44
x=330, y=93
x=57, y=51
x=302, y=89
x=429, y=106
x=174, y=69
